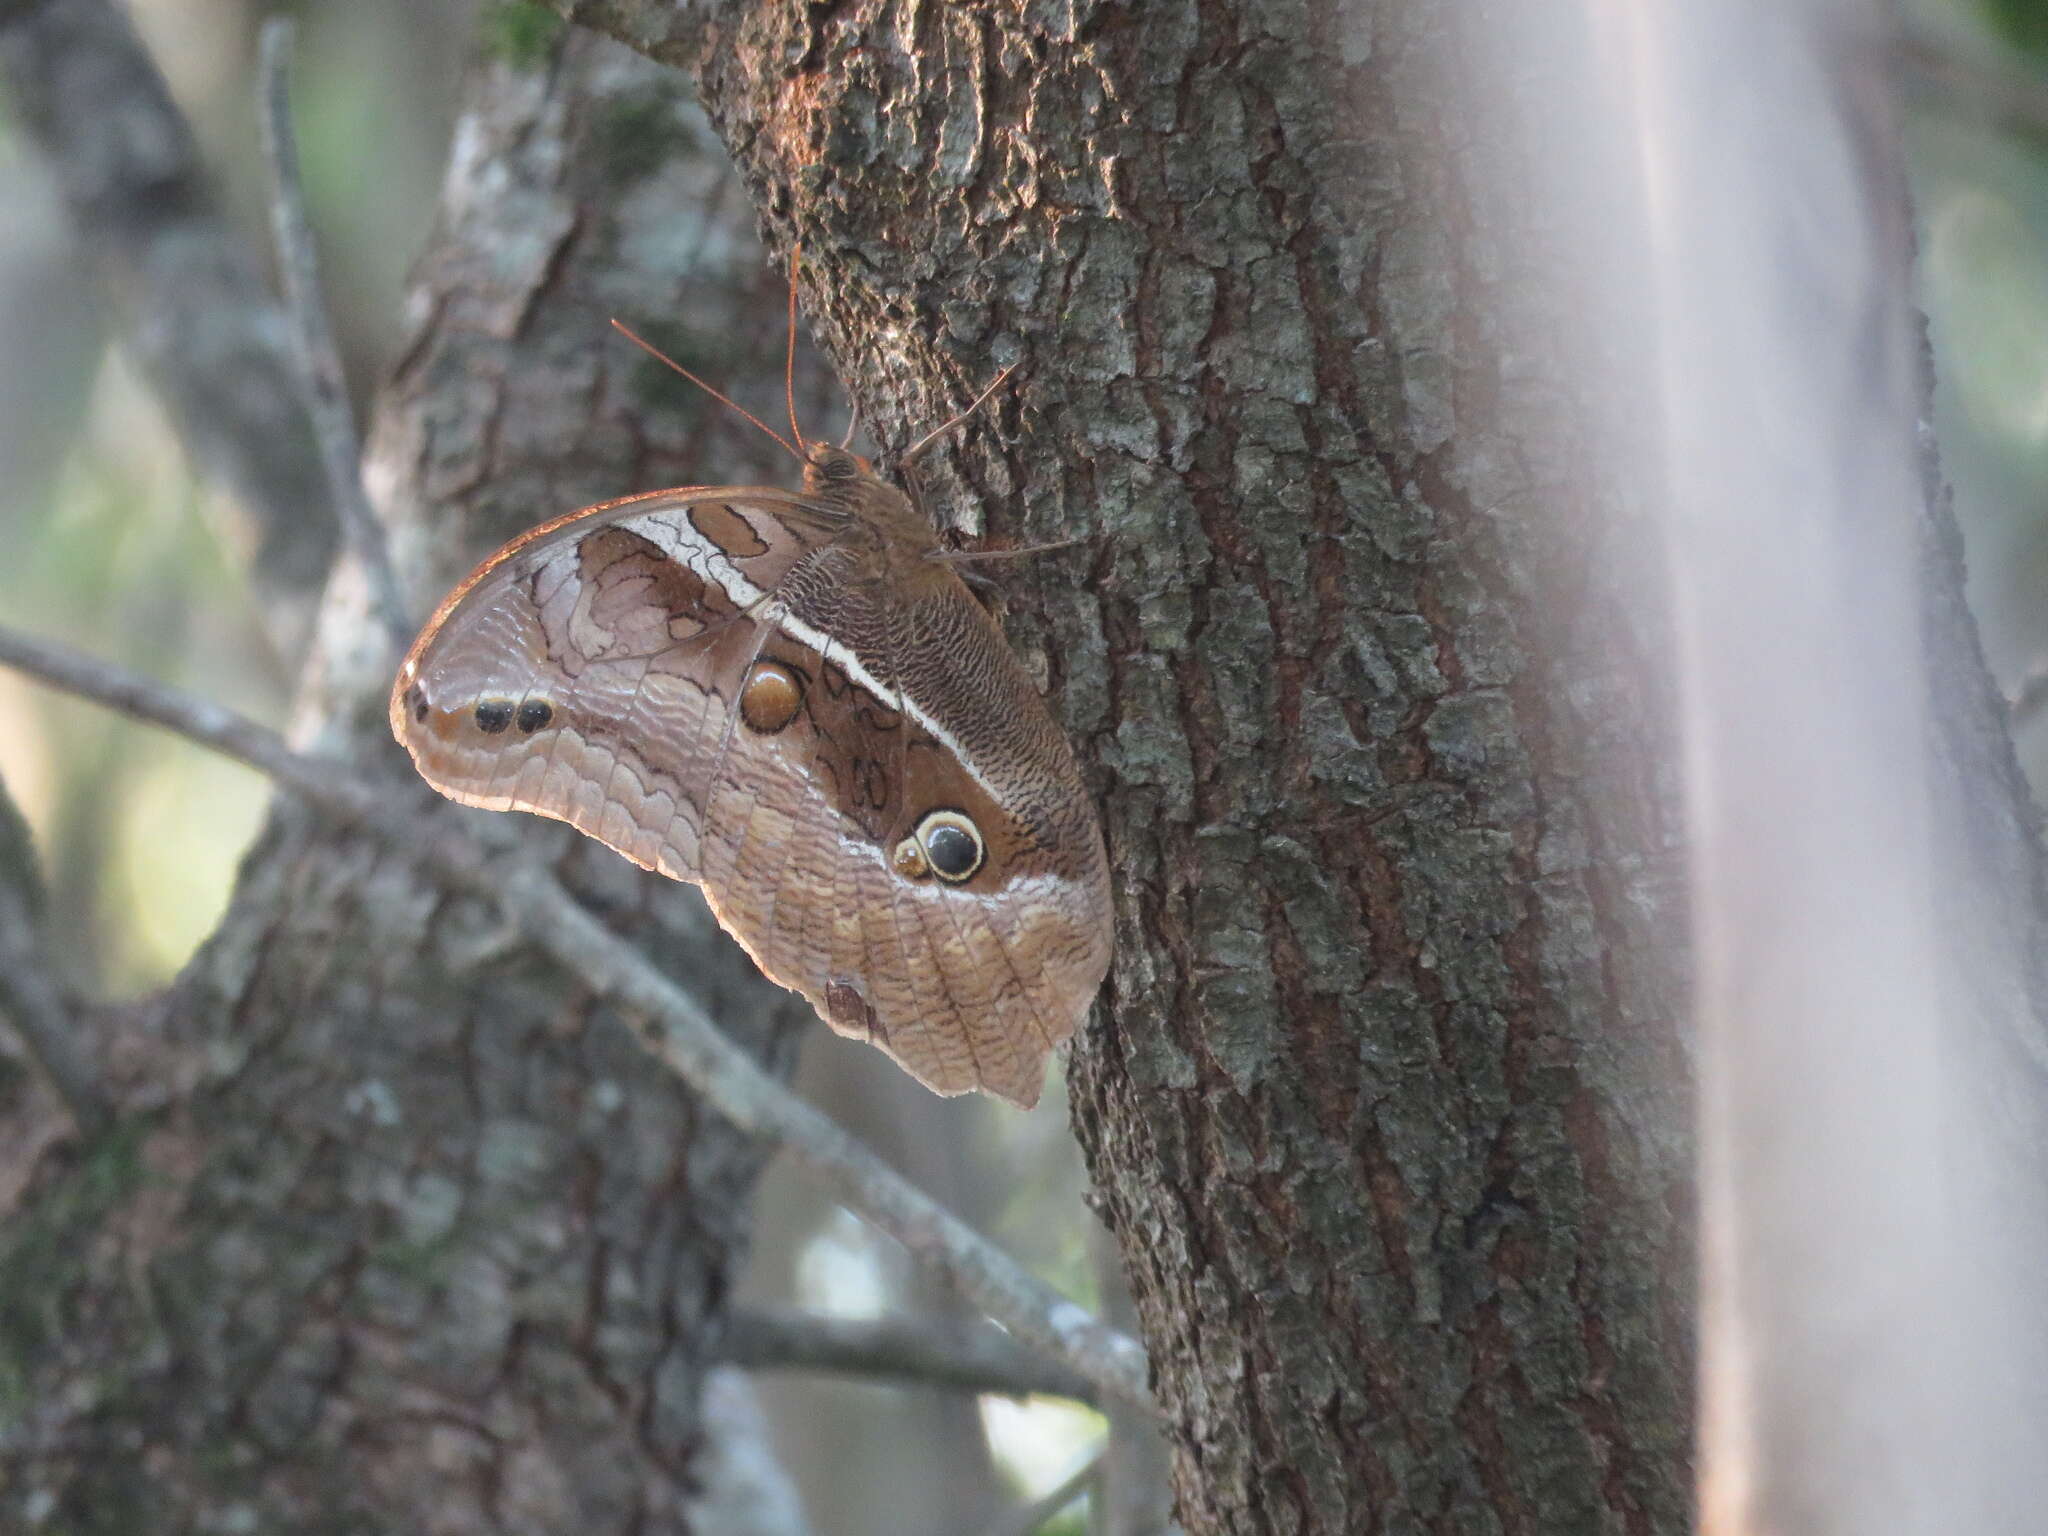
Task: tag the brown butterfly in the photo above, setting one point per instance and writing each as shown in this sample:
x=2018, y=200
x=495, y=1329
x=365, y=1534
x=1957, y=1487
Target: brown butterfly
x=790, y=699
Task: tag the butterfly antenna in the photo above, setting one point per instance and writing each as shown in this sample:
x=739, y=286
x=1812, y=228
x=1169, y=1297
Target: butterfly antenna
x=944, y=427
x=653, y=351
x=796, y=254
x=852, y=426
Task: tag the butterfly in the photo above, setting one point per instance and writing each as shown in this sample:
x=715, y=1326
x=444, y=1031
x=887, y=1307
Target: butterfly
x=792, y=700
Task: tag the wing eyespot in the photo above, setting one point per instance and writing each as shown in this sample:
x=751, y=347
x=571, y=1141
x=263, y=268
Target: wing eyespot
x=771, y=697
x=492, y=716
x=945, y=844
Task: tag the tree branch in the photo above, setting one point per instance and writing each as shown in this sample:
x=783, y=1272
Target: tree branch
x=190, y=295
x=326, y=388
x=669, y=1022
x=981, y=1360
x=29, y=995
x=1026, y=1520
x=671, y=33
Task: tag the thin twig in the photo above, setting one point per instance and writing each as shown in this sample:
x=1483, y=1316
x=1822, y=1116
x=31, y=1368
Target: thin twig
x=319, y=362
x=1027, y=1519
x=668, y=1021
x=30, y=999
x=980, y=1359
x=81, y=92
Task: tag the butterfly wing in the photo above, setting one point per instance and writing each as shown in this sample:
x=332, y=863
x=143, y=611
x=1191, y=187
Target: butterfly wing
x=584, y=672
x=724, y=686
x=918, y=722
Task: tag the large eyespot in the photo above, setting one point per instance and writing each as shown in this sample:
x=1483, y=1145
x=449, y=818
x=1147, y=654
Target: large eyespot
x=533, y=714
x=946, y=844
x=493, y=715
x=770, y=697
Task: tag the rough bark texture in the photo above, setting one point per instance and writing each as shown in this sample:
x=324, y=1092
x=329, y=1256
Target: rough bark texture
x=414, y=1237
x=1388, y=1104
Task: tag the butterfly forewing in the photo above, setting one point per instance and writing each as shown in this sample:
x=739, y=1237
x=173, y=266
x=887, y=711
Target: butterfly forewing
x=585, y=671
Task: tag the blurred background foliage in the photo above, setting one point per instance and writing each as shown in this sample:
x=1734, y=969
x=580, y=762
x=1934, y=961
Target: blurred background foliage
x=1979, y=155
x=111, y=545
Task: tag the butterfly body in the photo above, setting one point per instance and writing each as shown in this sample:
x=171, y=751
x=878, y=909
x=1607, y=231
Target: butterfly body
x=785, y=698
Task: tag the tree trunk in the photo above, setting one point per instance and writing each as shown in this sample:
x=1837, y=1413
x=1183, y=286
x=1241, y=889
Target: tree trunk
x=1389, y=1101
x=414, y=1238
x=1388, y=1105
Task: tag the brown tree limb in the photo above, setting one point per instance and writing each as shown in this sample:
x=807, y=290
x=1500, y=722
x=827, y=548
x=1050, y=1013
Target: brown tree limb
x=673, y=34
x=667, y=1020
x=30, y=997
x=980, y=1360
x=193, y=306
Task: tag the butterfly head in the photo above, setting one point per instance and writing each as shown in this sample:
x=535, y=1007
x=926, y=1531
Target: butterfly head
x=827, y=468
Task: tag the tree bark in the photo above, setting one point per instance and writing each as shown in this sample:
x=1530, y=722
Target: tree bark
x=1388, y=1104
x=400, y=1231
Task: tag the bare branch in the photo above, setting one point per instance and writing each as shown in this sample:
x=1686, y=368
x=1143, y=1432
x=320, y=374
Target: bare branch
x=669, y=1023
x=29, y=995
x=982, y=1359
x=1025, y=1521
x=194, y=308
x=672, y=33
x=327, y=399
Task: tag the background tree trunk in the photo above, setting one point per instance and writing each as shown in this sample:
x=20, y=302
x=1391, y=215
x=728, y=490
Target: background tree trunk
x=1388, y=1107
x=412, y=1237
